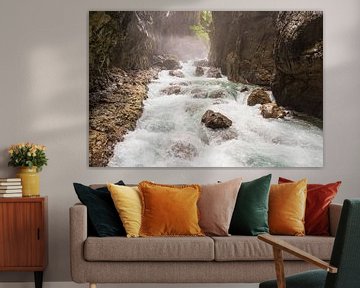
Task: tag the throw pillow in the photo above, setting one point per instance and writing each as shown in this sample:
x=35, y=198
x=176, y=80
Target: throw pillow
x=127, y=201
x=216, y=206
x=102, y=214
x=319, y=197
x=250, y=215
x=287, y=204
x=169, y=210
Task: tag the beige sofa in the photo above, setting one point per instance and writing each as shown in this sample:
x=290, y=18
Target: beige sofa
x=234, y=259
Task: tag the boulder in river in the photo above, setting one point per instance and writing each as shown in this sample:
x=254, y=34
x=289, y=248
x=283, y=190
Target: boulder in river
x=181, y=83
x=258, y=96
x=244, y=89
x=213, y=72
x=217, y=94
x=272, y=110
x=183, y=150
x=199, y=71
x=175, y=89
x=198, y=93
x=215, y=120
x=167, y=62
x=176, y=73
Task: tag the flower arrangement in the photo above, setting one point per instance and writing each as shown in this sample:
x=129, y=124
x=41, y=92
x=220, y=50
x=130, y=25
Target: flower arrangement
x=27, y=155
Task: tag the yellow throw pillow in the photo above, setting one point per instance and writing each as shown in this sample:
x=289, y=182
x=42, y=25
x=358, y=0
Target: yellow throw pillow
x=169, y=210
x=127, y=201
x=287, y=204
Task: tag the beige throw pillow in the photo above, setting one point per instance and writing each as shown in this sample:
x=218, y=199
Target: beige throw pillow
x=216, y=206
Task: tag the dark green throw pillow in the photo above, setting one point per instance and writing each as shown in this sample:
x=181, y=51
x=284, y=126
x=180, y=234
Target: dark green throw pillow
x=250, y=216
x=103, y=218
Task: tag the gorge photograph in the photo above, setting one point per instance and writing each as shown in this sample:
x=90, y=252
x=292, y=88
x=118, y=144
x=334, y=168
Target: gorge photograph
x=205, y=89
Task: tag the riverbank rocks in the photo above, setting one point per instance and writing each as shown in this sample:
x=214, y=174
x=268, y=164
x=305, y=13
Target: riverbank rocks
x=213, y=72
x=114, y=110
x=199, y=71
x=176, y=73
x=272, y=110
x=215, y=120
x=258, y=96
x=202, y=63
x=175, y=89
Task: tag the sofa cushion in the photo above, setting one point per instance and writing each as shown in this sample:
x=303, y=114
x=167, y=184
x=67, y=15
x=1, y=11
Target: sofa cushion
x=216, y=206
x=250, y=216
x=127, y=201
x=169, y=210
x=243, y=248
x=102, y=215
x=318, y=199
x=149, y=249
x=287, y=204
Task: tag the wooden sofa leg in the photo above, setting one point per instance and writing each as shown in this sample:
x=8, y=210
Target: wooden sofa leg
x=92, y=285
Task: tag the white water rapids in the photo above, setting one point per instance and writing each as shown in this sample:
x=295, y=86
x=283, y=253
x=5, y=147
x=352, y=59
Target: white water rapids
x=170, y=133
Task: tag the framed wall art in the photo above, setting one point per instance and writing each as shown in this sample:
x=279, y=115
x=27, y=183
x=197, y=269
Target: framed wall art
x=205, y=88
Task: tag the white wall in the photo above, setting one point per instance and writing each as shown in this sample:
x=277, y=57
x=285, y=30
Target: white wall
x=43, y=88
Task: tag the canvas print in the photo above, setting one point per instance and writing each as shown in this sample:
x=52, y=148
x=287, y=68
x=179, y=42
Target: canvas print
x=205, y=89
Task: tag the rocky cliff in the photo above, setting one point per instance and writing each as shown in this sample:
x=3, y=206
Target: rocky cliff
x=298, y=54
x=123, y=48
x=242, y=45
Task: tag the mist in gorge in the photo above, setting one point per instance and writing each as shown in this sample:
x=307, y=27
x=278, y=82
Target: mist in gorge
x=185, y=47
x=205, y=89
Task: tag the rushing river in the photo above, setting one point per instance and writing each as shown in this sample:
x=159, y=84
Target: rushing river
x=170, y=133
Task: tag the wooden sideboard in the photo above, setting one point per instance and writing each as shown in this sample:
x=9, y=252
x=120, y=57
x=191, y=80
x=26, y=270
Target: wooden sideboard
x=23, y=235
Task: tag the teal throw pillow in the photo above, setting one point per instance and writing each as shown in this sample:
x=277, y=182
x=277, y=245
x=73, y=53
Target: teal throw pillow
x=250, y=216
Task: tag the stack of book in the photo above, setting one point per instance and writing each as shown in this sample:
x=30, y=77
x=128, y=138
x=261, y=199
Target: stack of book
x=10, y=187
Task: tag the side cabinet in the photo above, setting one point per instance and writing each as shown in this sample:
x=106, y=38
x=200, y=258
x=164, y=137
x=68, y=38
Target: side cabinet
x=23, y=235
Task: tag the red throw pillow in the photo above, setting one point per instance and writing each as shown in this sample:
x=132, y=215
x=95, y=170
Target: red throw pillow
x=319, y=197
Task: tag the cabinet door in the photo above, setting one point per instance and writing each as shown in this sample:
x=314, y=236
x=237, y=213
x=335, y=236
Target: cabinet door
x=21, y=234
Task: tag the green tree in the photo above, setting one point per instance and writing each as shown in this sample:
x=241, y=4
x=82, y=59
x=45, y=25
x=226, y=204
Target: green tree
x=202, y=29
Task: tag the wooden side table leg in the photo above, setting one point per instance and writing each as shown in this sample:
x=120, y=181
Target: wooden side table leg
x=38, y=279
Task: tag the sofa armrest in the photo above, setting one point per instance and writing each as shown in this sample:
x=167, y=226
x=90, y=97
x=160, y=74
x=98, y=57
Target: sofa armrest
x=78, y=235
x=334, y=216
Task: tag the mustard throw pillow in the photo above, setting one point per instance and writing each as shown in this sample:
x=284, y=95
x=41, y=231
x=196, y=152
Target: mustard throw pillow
x=169, y=210
x=287, y=204
x=127, y=201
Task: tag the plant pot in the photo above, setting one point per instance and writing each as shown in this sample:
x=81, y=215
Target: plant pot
x=30, y=181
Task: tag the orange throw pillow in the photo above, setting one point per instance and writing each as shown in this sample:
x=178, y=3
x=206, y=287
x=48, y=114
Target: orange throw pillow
x=319, y=197
x=287, y=204
x=169, y=210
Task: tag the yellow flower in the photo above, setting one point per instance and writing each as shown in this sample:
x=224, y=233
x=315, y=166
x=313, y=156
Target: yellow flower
x=11, y=151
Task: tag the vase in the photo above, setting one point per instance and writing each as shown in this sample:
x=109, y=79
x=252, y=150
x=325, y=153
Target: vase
x=30, y=181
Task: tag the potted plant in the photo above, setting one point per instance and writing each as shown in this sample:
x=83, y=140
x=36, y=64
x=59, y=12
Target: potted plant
x=30, y=158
